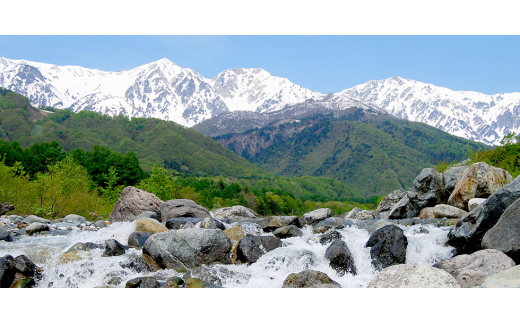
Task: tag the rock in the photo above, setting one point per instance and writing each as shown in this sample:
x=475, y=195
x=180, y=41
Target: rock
x=170, y=284
x=197, y=283
x=79, y=246
x=479, y=180
x=427, y=213
x=150, y=225
x=142, y=282
x=451, y=177
x=473, y=203
x=351, y=214
x=68, y=257
x=306, y=279
x=182, y=208
x=505, y=234
x=100, y=224
x=15, y=219
x=388, y=247
x=330, y=236
x=25, y=266
x=74, y=218
x=466, y=236
x=234, y=212
x=114, y=248
x=182, y=223
x=313, y=217
x=138, y=238
x=147, y=215
x=64, y=226
x=427, y=190
x=134, y=263
x=509, y=278
x=7, y=273
x=340, y=258
x=377, y=225
x=400, y=209
x=288, y=231
x=448, y=211
x=36, y=227
x=4, y=235
x=20, y=281
x=250, y=247
x=133, y=202
x=235, y=233
x=152, y=265
x=6, y=207
x=271, y=223
x=35, y=219
x=331, y=223
x=205, y=274
x=211, y=223
x=364, y=215
x=471, y=270
x=186, y=248
x=388, y=203
x=408, y=276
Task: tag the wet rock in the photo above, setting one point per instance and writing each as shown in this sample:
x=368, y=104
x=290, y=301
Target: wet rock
x=68, y=257
x=150, y=225
x=20, y=281
x=79, y=246
x=340, y=258
x=509, y=278
x=331, y=223
x=467, y=234
x=170, y=284
x=173, y=282
x=205, y=274
x=114, y=248
x=100, y=224
x=306, y=279
x=473, y=203
x=451, y=177
x=427, y=190
x=182, y=223
x=4, y=235
x=471, y=270
x=133, y=202
x=211, y=223
x=186, y=248
x=250, y=247
x=182, y=208
x=6, y=273
x=448, y=211
x=142, y=282
x=25, y=266
x=388, y=203
x=316, y=216
x=35, y=219
x=152, y=265
x=135, y=263
x=197, y=283
x=36, y=227
x=505, y=234
x=234, y=212
x=288, y=231
x=138, y=238
x=330, y=236
x=400, y=209
x=6, y=207
x=235, y=233
x=388, y=247
x=75, y=218
x=272, y=223
x=479, y=180
x=147, y=215
x=408, y=276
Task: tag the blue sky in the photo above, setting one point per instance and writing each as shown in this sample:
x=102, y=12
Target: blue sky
x=487, y=64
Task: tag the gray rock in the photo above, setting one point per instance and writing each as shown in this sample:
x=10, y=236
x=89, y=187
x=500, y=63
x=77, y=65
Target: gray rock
x=388, y=247
x=182, y=223
x=6, y=207
x=72, y=218
x=235, y=212
x=114, y=248
x=80, y=246
x=408, y=276
x=427, y=190
x=399, y=211
x=24, y=266
x=509, y=278
x=505, y=234
x=204, y=273
x=331, y=223
x=64, y=226
x=35, y=219
x=473, y=203
x=388, y=202
x=137, y=239
x=147, y=214
x=15, y=219
x=211, y=223
x=4, y=235
x=135, y=263
x=133, y=202
x=271, y=223
x=7, y=273
x=427, y=213
x=451, y=177
x=308, y=279
x=186, y=248
x=467, y=235
x=142, y=282
x=471, y=270
x=100, y=224
x=182, y=208
x=448, y=211
x=351, y=214
x=36, y=227
x=313, y=217
x=364, y=215
x=340, y=258
x=330, y=236
x=288, y=231
x=250, y=247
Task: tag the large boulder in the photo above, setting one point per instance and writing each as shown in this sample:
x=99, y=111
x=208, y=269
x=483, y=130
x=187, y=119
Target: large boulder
x=505, y=235
x=250, y=247
x=451, y=177
x=509, y=278
x=399, y=211
x=182, y=223
x=388, y=203
x=340, y=258
x=313, y=217
x=133, y=202
x=448, y=211
x=235, y=212
x=149, y=225
x=271, y=223
x=479, y=180
x=388, y=247
x=331, y=223
x=182, y=208
x=186, y=248
x=7, y=273
x=408, y=276
x=6, y=207
x=307, y=279
x=471, y=270
x=466, y=236
x=288, y=231
x=427, y=190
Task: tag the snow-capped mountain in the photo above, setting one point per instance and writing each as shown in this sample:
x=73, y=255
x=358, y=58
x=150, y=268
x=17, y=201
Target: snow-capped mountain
x=471, y=115
x=254, y=89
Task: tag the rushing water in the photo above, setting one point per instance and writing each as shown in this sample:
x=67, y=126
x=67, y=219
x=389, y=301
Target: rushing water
x=297, y=254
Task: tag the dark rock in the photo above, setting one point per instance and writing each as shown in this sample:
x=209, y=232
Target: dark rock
x=505, y=234
x=182, y=208
x=177, y=280
x=388, y=203
x=211, y=223
x=182, y=223
x=4, y=235
x=25, y=266
x=340, y=258
x=388, y=247
x=271, y=223
x=250, y=247
x=135, y=263
x=306, y=279
x=150, y=283
x=114, y=248
x=142, y=282
x=288, y=231
x=467, y=234
x=100, y=224
x=7, y=273
x=399, y=211
x=331, y=223
x=330, y=236
x=451, y=177
x=138, y=238
x=316, y=216
x=93, y=245
x=427, y=190
x=133, y=202
x=6, y=207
